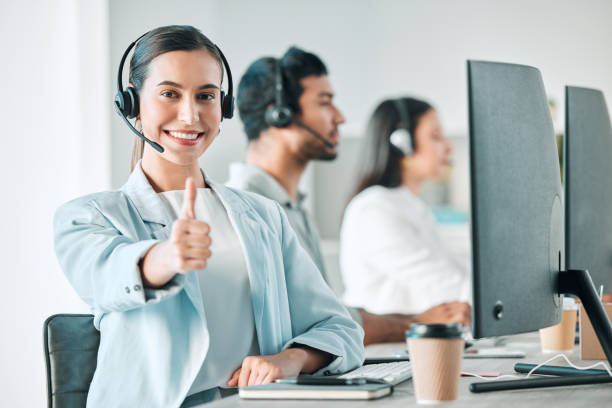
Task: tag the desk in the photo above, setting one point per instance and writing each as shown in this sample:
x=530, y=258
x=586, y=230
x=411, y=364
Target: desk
x=577, y=396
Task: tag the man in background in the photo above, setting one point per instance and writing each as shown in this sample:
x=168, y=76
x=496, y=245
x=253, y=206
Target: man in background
x=289, y=116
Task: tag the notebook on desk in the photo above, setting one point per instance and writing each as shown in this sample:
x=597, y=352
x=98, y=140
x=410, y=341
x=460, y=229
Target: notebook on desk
x=316, y=392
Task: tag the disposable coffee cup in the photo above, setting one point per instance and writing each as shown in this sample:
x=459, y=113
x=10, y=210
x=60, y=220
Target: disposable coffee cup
x=436, y=351
x=560, y=337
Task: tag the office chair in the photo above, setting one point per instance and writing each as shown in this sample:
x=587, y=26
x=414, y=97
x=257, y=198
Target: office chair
x=71, y=348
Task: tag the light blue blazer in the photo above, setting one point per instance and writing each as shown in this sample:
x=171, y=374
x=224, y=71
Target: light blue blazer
x=154, y=341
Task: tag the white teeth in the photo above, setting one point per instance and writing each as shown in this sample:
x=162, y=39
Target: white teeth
x=181, y=135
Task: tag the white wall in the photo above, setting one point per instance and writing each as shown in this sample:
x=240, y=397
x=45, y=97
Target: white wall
x=54, y=148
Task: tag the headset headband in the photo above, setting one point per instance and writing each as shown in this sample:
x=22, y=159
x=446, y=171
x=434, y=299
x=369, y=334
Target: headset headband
x=227, y=103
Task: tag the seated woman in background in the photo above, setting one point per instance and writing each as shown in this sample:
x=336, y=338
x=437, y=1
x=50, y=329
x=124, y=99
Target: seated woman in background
x=199, y=288
x=391, y=256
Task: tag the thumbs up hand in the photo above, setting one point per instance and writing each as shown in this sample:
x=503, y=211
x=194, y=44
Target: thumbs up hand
x=189, y=240
x=187, y=249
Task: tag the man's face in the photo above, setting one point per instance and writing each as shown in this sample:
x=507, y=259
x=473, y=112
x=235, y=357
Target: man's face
x=319, y=113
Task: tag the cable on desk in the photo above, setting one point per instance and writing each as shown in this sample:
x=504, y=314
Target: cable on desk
x=600, y=363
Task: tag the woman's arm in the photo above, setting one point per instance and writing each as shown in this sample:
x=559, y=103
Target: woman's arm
x=318, y=318
x=325, y=338
x=113, y=271
x=100, y=259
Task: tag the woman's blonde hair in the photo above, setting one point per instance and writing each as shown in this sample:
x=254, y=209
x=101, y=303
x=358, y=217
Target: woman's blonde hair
x=137, y=151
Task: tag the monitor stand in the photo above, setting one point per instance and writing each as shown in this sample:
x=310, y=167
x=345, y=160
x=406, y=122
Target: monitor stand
x=578, y=283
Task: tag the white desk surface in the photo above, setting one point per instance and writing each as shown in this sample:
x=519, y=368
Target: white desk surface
x=599, y=395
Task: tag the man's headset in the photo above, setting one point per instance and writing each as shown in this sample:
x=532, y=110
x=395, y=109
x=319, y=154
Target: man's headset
x=280, y=115
x=401, y=137
x=127, y=106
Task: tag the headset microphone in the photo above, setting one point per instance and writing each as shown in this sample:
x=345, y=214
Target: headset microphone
x=314, y=133
x=156, y=146
x=280, y=115
x=127, y=103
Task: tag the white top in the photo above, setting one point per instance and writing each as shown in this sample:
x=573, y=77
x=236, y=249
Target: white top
x=392, y=258
x=226, y=294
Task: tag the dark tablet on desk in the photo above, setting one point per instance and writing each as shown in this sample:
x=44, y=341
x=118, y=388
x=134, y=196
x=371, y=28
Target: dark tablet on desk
x=381, y=360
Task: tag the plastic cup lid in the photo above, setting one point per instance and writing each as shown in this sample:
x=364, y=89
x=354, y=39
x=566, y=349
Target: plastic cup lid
x=569, y=303
x=443, y=331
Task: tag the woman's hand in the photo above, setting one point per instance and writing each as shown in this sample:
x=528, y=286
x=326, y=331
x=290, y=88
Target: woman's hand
x=187, y=249
x=288, y=363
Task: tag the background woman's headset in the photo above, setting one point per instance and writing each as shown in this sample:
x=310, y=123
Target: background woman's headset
x=401, y=137
x=127, y=106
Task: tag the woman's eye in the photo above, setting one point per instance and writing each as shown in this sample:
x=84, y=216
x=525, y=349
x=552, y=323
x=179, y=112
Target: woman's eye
x=169, y=94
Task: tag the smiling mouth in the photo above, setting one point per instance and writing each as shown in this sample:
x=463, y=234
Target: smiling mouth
x=184, y=138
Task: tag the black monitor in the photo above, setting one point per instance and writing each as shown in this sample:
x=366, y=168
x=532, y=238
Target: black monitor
x=516, y=198
x=518, y=216
x=587, y=169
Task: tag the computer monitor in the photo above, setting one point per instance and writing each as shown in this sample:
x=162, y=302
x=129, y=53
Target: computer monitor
x=518, y=216
x=516, y=198
x=587, y=168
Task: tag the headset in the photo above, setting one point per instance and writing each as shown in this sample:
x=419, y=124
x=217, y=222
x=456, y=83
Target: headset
x=127, y=106
x=280, y=114
x=401, y=138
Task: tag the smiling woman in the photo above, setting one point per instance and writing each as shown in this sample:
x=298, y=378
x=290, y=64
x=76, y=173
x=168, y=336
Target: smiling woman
x=180, y=109
x=194, y=286
x=142, y=79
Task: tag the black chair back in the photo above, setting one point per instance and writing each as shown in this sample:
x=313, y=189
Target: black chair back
x=71, y=349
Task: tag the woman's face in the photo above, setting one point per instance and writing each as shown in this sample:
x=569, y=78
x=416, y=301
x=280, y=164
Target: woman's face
x=180, y=104
x=432, y=153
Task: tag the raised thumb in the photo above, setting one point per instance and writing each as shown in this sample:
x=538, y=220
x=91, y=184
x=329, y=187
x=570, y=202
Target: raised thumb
x=189, y=200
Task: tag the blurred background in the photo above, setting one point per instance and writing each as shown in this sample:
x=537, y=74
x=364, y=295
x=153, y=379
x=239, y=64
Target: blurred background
x=62, y=139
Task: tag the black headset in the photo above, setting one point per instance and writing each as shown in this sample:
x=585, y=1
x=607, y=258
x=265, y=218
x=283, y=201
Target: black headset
x=127, y=106
x=280, y=115
x=401, y=138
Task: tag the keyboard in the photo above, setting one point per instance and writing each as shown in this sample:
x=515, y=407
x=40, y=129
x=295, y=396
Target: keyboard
x=393, y=373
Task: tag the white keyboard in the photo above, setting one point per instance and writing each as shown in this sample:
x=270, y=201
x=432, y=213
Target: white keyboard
x=393, y=373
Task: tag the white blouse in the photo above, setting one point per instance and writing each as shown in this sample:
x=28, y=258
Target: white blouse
x=226, y=294
x=392, y=258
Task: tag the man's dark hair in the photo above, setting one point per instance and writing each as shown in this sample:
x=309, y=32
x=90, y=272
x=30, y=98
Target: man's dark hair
x=256, y=90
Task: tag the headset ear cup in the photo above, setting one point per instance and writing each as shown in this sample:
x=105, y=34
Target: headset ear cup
x=402, y=140
x=227, y=106
x=279, y=117
x=132, y=96
x=120, y=102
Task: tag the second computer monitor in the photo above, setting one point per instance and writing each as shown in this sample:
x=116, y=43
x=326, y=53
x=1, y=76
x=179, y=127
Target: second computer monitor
x=588, y=184
x=516, y=198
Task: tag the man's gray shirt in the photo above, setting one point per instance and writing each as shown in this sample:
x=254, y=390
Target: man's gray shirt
x=250, y=178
